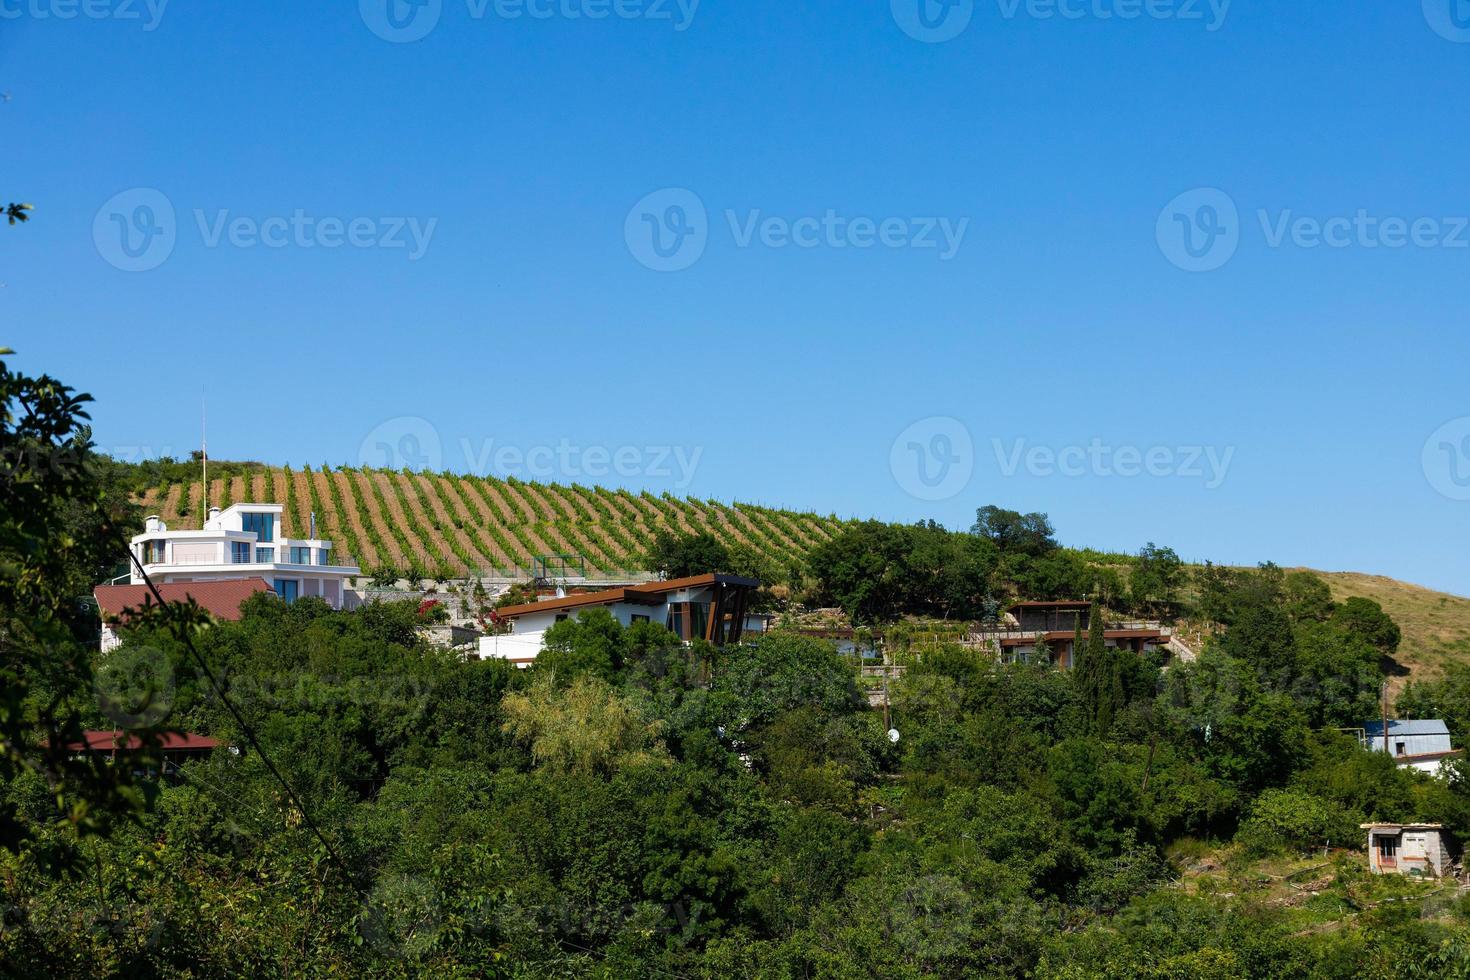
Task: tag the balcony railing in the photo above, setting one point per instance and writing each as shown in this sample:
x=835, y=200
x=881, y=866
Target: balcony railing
x=275, y=556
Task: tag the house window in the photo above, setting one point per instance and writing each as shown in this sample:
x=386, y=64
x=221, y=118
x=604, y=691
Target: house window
x=1398, y=748
x=1388, y=848
x=288, y=589
x=265, y=555
x=561, y=617
x=300, y=556
x=321, y=557
x=639, y=618
x=675, y=622
x=264, y=525
x=153, y=552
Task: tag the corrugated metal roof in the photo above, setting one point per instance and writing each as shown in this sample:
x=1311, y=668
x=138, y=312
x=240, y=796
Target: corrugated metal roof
x=1416, y=737
x=1426, y=726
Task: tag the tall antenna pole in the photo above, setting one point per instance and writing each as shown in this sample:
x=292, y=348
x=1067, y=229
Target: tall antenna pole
x=204, y=449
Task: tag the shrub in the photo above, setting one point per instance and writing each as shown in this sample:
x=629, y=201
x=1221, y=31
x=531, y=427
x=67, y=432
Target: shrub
x=1291, y=820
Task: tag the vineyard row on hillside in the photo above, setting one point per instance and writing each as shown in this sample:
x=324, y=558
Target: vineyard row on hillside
x=459, y=525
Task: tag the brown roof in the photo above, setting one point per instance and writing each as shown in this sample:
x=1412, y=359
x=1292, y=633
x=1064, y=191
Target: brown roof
x=1057, y=636
x=221, y=599
x=101, y=741
x=648, y=593
x=1065, y=604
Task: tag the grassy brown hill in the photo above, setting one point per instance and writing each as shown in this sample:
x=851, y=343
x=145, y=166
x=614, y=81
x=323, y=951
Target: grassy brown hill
x=1436, y=625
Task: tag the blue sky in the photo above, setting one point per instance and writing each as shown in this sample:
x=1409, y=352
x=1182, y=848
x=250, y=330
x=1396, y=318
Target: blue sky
x=1067, y=155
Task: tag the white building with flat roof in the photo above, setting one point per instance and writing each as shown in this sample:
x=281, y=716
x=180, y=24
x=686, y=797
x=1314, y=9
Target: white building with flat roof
x=245, y=541
x=710, y=607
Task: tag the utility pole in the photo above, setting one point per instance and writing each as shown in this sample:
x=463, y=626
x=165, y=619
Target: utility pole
x=1385, y=717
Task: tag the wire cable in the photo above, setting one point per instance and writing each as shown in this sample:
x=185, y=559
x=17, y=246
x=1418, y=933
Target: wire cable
x=183, y=637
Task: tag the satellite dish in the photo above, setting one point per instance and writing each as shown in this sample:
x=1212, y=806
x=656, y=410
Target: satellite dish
x=893, y=735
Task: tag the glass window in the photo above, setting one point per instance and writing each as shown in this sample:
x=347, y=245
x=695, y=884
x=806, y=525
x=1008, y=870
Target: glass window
x=321, y=556
x=639, y=619
x=240, y=552
x=153, y=552
x=300, y=556
x=288, y=589
x=266, y=555
x=264, y=525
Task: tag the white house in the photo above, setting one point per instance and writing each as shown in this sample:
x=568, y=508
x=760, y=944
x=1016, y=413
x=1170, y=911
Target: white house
x=709, y=607
x=245, y=541
x=1414, y=744
x=1408, y=849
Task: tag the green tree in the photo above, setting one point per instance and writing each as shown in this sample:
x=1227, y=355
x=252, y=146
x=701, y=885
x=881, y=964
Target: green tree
x=1012, y=531
x=584, y=727
x=60, y=523
x=676, y=556
x=1156, y=577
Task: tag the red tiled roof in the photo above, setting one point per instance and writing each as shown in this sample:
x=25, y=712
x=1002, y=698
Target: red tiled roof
x=221, y=599
x=647, y=593
x=99, y=741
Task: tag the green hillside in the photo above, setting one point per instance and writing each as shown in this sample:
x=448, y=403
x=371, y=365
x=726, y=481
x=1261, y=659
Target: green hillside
x=448, y=523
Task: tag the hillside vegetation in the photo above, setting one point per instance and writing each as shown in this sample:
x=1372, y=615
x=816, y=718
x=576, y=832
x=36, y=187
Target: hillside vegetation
x=1435, y=625
x=452, y=524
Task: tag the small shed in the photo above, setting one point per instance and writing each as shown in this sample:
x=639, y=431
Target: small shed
x=1418, y=743
x=1408, y=849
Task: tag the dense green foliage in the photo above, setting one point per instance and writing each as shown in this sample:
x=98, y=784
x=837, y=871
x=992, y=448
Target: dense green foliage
x=634, y=806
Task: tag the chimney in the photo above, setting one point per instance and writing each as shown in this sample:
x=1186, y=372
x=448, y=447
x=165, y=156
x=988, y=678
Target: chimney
x=152, y=525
